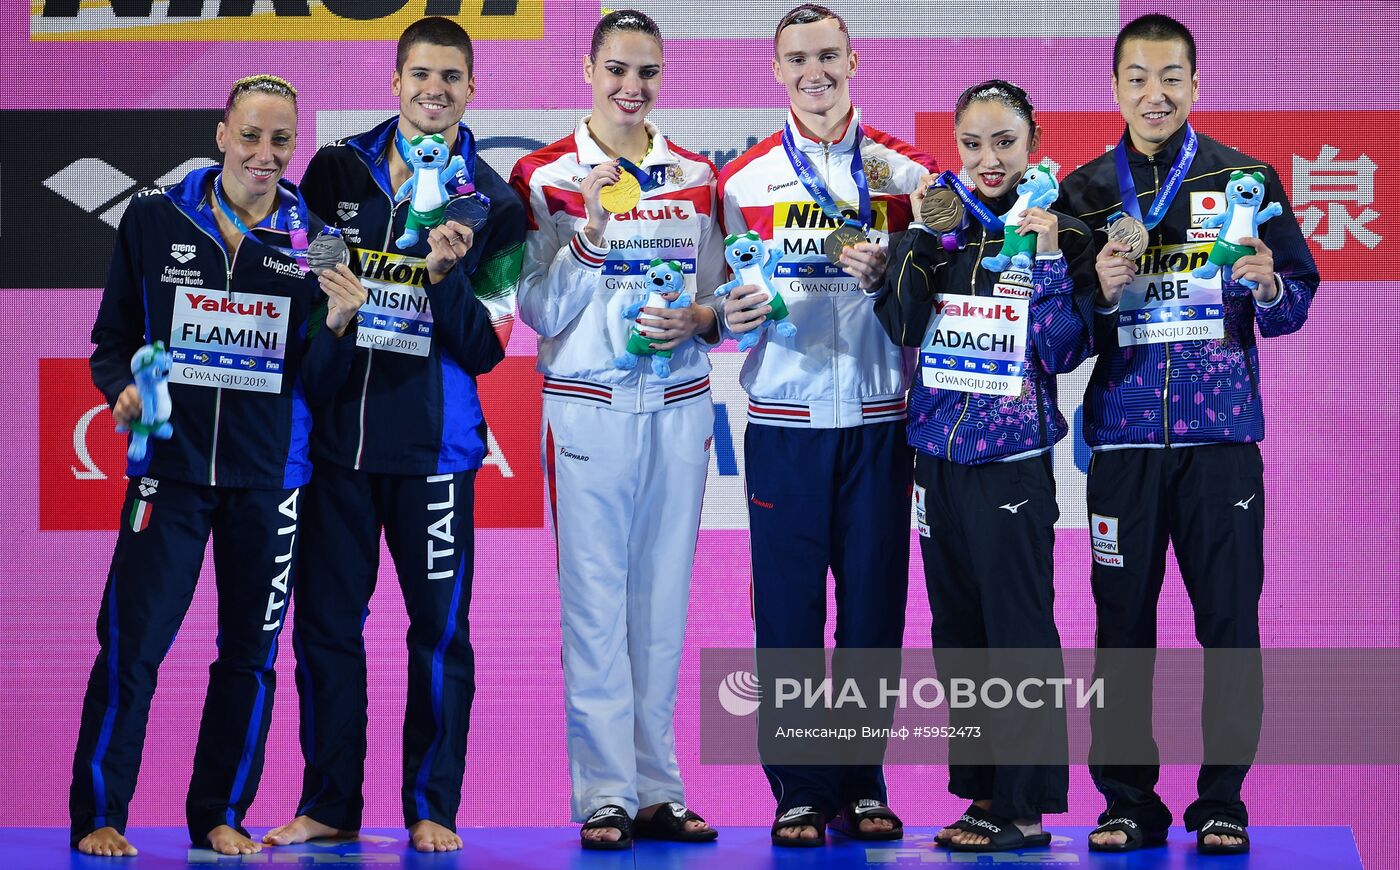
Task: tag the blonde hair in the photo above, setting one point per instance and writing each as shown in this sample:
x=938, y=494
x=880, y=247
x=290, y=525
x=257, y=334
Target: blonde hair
x=260, y=84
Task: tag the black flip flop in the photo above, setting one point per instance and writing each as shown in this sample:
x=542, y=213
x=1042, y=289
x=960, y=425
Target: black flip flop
x=1137, y=837
x=608, y=816
x=848, y=821
x=1004, y=836
x=799, y=817
x=1222, y=828
x=668, y=823
x=959, y=825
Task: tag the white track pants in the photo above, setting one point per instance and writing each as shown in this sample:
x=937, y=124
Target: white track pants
x=625, y=493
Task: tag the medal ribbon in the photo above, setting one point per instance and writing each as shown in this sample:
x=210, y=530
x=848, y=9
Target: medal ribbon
x=807, y=174
x=976, y=206
x=644, y=178
x=294, y=208
x=1128, y=190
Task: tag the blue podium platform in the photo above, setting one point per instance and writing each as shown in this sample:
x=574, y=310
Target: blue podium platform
x=1275, y=848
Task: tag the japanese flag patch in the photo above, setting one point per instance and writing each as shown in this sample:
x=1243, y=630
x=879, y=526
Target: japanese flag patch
x=1104, y=532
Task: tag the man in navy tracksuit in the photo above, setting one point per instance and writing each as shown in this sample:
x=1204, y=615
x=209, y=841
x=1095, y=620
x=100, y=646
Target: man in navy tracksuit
x=233, y=469
x=399, y=447
x=1174, y=421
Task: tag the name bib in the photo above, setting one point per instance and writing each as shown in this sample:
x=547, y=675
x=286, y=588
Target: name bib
x=235, y=341
x=799, y=228
x=396, y=316
x=976, y=344
x=1170, y=306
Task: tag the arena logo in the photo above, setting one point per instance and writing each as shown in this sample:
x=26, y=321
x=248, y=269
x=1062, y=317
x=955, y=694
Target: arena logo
x=82, y=459
x=274, y=20
x=82, y=184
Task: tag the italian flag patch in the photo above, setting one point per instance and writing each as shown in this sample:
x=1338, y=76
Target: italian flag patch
x=140, y=514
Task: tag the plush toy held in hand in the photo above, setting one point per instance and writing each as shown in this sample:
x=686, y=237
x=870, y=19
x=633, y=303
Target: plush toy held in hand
x=1244, y=194
x=428, y=157
x=663, y=276
x=1037, y=189
x=754, y=263
x=151, y=368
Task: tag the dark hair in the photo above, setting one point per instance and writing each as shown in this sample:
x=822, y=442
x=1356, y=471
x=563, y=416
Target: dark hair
x=809, y=13
x=629, y=20
x=1156, y=28
x=997, y=91
x=434, y=30
x=259, y=84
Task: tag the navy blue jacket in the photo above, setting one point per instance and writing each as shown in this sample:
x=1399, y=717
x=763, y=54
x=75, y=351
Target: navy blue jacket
x=400, y=412
x=169, y=245
x=1187, y=392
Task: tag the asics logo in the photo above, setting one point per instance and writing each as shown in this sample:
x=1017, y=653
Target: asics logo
x=1012, y=508
x=97, y=187
x=1245, y=502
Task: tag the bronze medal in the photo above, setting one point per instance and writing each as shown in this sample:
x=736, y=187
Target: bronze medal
x=839, y=240
x=941, y=210
x=1129, y=231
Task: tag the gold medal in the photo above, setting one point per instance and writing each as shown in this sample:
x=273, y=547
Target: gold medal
x=839, y=240
x=622, y=196
x=941, y=210
x=1129, y=231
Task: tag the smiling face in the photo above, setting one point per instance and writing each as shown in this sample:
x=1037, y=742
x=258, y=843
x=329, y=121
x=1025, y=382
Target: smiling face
x=433, y=88
x=257, y=140
x=995, y=144
x=625, y=76
x=1155, y=90
x=815, y=63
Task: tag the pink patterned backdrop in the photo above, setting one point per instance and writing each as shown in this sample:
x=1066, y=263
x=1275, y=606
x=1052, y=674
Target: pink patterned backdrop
x=1309, y=87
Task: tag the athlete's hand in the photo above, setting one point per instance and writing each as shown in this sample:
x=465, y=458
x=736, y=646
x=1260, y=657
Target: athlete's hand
x=449, y=243
x=128, y=406
x=1257, y=267
x=344, y=296
x=602, y=175
x=668, y=327
x=745, y=308
x=916, y=198
x=1046, y=227
x=865, y=262
x=1115, y=272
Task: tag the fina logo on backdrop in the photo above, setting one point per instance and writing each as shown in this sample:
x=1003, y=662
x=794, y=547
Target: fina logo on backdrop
x=273, y=20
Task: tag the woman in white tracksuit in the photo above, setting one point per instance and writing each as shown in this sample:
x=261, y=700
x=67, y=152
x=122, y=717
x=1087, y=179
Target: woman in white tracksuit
x=627, y=423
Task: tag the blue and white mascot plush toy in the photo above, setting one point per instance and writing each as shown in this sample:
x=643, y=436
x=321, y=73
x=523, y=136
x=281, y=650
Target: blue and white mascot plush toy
x=753, y=263
x=1244, y=194
x=428, y=157
x=151, y=368
x=663, y=276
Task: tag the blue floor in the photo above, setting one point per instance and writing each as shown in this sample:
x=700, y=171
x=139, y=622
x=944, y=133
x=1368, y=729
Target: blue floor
x=738, y=849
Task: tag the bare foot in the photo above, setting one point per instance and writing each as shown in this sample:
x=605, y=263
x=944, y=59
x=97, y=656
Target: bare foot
x=1028, y=828
x=645, y=814
x=871, y=826
x=1109, y=838
x=226, y=841
x=107, y=843
x=1218, y=840
x=798, y=832
x=946, y=835
x=431, y=837
x=301, y=829
x=605, y=835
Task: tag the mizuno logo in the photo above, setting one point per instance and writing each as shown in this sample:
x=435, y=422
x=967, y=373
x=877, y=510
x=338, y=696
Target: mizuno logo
x=1245, y=503
x=97, y=187
x=1012, y=508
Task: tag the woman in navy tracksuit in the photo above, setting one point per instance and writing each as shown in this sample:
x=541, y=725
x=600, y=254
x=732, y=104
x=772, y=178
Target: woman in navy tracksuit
x=983, y=419
x=215, y=268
